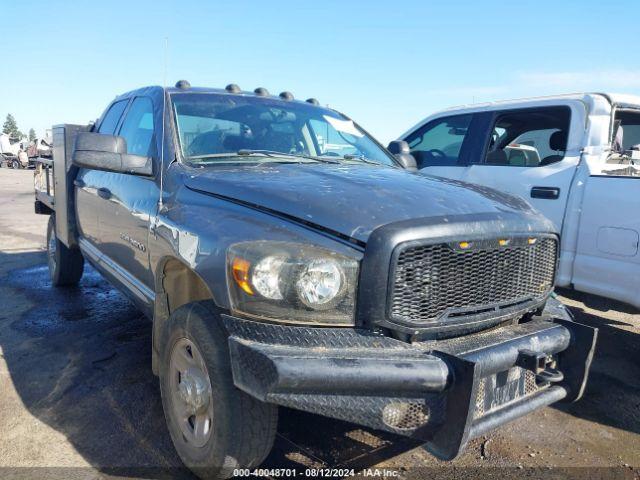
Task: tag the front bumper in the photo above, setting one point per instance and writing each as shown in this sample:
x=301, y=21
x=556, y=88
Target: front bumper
x=444, y=392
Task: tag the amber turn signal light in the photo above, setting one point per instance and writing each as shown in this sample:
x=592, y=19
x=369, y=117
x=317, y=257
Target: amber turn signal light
x=240, y=268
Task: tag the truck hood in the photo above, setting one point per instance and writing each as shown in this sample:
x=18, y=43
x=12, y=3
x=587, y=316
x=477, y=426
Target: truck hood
x=354, y=199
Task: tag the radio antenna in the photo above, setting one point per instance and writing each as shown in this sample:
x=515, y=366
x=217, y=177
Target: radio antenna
x=164, y=107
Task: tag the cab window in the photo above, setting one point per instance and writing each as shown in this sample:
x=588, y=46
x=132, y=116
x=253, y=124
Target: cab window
x=529, y=138
x=137, y=128
x=626, y=131
x=110, y=120
x=439, y=142
x=623, y=158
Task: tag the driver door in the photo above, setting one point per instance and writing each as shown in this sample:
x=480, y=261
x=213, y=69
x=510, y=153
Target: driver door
x=512, y=150
x=533, y=153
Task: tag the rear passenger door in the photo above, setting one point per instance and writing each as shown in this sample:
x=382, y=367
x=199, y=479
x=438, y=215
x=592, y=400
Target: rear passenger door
x=607, y=260
x=130, y=201
x=88, y=182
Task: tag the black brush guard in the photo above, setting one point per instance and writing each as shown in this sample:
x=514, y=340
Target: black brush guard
x=444, y=392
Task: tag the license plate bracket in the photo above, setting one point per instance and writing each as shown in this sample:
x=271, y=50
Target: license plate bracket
x=502, y=388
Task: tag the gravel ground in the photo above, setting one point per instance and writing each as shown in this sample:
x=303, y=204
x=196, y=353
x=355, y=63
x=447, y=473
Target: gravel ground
x=78, y=399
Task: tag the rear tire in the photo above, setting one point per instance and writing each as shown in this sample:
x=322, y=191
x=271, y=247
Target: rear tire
x=227, y=430
x=16, y=165
x=65, y=265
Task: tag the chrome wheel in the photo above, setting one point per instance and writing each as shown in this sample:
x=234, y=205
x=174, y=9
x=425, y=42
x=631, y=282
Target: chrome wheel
x=51, y=250
x=191, y=392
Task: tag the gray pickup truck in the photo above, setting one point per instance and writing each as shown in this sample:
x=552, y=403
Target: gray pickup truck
x=286, y=258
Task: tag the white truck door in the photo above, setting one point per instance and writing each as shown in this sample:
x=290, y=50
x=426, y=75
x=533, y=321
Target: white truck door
x=607, y=258
x=533, y=153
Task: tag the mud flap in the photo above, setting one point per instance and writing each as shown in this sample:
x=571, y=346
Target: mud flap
x=576, y=360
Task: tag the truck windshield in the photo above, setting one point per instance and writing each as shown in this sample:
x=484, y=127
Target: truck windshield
x=222, y=127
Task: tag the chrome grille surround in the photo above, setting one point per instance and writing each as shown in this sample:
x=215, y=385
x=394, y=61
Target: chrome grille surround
x=436, y=283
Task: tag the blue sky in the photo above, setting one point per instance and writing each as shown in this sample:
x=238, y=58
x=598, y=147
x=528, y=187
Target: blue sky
x=386, y=64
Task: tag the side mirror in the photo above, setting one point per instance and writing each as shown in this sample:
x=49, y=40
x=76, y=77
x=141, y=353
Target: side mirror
x=400, y=150
x=109, y=152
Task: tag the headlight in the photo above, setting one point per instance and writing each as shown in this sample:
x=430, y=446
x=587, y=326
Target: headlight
x=292, y=283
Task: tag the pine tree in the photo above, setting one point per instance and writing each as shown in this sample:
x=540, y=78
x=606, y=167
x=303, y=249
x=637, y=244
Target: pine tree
x=32, y=134
x=10, y=127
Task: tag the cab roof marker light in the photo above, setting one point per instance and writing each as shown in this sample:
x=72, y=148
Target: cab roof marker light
x=232, y=88
x=286, y=95
x=183, y=85
x=261, y=92
x=312, y=101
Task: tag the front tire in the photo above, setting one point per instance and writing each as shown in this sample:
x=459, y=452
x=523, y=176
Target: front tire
x=215, y=427
x=65, y=265
x=16, y=165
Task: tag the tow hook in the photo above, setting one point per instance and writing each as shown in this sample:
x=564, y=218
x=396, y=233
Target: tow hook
x=543, y=365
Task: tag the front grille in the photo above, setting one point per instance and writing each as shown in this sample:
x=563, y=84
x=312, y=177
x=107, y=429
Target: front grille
x=430, y=282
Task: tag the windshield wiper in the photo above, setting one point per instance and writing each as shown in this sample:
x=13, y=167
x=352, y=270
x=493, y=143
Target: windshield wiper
x=244, y=153
x=275, y=154
x=267, y=153
x=361, y=158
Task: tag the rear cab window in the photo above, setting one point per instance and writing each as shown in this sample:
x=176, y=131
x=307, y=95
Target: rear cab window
x=529, y=138
x=624, y=157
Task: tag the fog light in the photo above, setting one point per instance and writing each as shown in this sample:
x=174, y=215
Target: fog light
x=405, y=415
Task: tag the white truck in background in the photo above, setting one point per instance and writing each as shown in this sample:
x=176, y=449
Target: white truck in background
x=9, y=151
x=576, y=158
x=22, y=153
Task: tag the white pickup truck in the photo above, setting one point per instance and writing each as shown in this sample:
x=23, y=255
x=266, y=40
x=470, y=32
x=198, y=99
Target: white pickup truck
x=576, y=158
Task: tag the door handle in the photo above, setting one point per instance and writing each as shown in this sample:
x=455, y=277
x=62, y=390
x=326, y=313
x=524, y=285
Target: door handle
x=547, y=193
x=79, y=183
x=104, y=193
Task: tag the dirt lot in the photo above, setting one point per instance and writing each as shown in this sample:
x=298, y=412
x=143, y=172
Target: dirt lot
x=78, y=399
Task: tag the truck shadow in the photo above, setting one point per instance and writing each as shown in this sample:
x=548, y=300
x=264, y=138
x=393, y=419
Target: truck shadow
x=612, y=396
x=80, y=362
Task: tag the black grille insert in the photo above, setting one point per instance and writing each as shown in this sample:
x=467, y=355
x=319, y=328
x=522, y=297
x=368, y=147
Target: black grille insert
x=430, y=282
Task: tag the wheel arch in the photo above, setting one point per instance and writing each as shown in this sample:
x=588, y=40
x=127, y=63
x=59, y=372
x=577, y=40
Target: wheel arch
x=176, y=284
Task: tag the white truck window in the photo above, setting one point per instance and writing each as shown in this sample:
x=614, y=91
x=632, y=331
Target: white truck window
x=627, y=129
x=624, y=159
x=529, y=138
x=439, y=142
